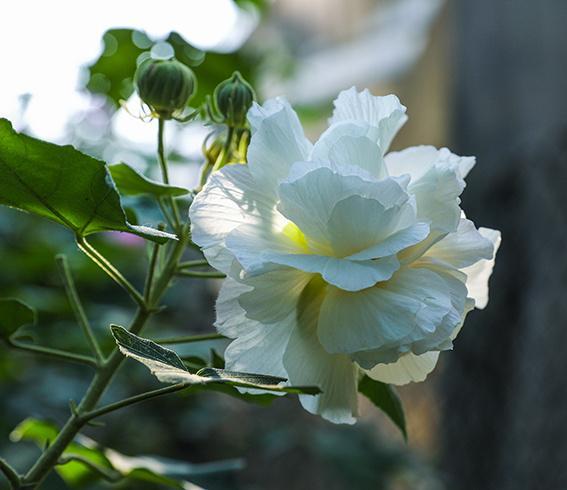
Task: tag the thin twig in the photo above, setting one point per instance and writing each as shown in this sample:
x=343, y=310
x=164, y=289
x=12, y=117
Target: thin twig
x=60, y=355
x=151, y=273
x=77, y=307
x=165, y=174
x=106, y=473
x=132, y=400
x=202, y=274
x=11, y=474
x=192, y=263
x=189, y=339
x=107, y=267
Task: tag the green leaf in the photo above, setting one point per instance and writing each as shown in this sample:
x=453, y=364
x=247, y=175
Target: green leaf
x=130, y=182
x=13, y=315
x=386, y=399
x=62, y=184
x=161, y=471
x=75, y=474
x=167, y=367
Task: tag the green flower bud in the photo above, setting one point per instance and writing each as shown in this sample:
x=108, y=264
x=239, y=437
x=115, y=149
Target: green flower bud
x=234, y=97
x=165, y=86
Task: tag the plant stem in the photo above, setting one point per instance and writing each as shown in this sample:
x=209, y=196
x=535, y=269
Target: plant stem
x=132, y=400
x=10, y=473
x=192, y=263
x=223, y=157
x=104, y=375
x=107, y=267
x=53, y=353
x=151, y=272
x=105, y=473
x=202, y=274
x=190, y=339
x=77, y=306
x=165, y=174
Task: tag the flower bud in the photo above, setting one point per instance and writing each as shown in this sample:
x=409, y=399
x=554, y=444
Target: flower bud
x=165, y=86
x=234, y=97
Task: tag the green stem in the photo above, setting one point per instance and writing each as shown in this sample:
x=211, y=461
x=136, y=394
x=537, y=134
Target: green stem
x=104, y=375
x=10, y=474
x=132, y=400
x=107, y=267
x=60, y=355
x=190, y=339
x=202, y=274
x=223, y=158
x=151, y=272
x=165, y=173
x=106, y=473
x=77, y=306
x=192, y=263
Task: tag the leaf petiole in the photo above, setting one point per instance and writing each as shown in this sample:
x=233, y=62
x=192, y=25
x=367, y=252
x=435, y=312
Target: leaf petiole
x=112, y=271
x=77, y=307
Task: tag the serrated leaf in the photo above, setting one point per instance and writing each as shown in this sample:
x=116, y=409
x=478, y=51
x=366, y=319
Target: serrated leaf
x=13, y=315
x=130, y=182
x=62, y=184
x=386, y=399
x=167, y=367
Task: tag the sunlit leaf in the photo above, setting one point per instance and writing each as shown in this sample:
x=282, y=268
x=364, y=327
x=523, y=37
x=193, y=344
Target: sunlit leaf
x=62, y=184
x=130, y=182
x=13, y=315
x=169, y=368
x=386, y=399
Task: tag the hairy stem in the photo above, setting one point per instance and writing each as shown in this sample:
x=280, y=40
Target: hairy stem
x=77, y=306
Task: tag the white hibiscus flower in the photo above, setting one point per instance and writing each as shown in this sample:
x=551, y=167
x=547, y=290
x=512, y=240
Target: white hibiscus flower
x=341, y=259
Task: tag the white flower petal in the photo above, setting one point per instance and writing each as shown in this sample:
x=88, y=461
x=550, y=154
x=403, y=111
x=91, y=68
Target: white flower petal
x=273, y=296
x=309, y=199
x=418, y=160
x=277, y=142
x=462, y=248
x=408, y=368
x=350, y=144
x=478, y=274
x=261, y=349
x=231, y=319
x=230, y=198
x=386, y=113
x=364, y=228
x=260, y=253
x=405, y=314
x=437, y=180
x=307, y=363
